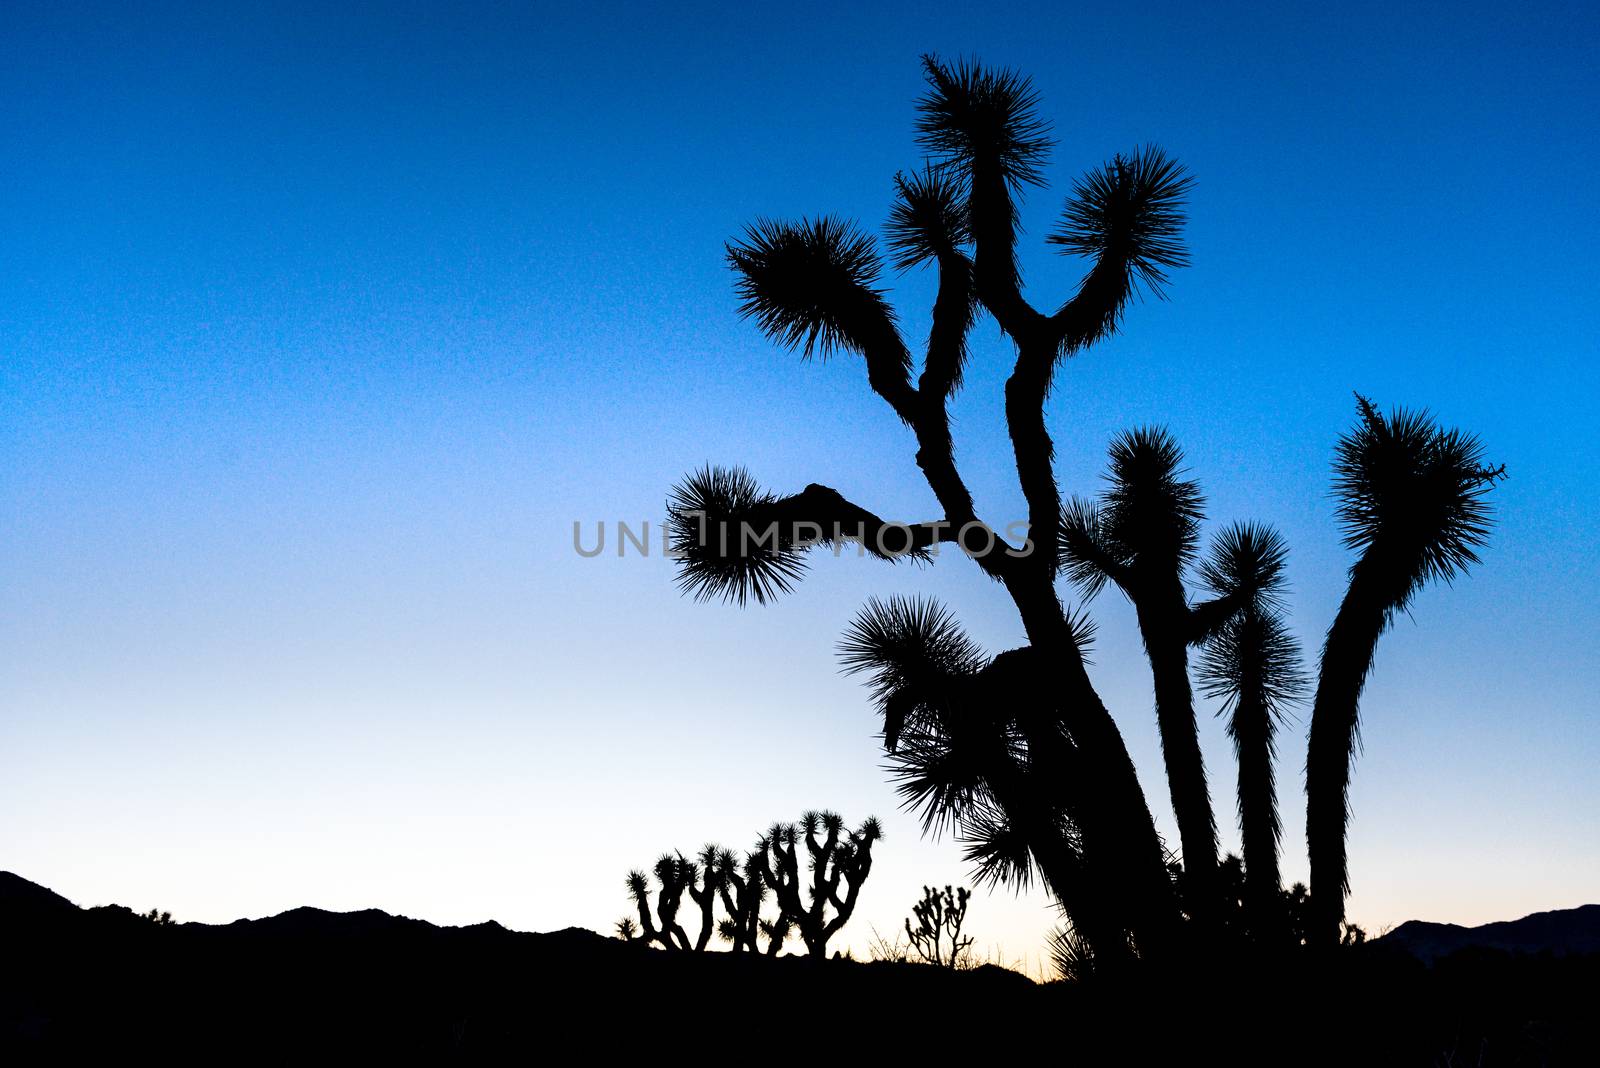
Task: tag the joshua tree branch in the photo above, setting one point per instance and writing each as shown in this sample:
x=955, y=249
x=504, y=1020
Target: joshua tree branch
x=993, y=219
x=953, y=312
x=1207, y=617
x=830, y=518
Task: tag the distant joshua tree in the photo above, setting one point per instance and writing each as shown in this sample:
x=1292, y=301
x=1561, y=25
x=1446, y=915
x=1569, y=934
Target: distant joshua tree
x=672, y=879
x=1015, y=751
x=838, y=862
x=939, y=917
x=814, y=905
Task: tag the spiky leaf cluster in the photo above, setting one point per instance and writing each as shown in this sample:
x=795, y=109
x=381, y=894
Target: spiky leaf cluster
x=1149, y=519
x=810, y=284
x=716, y=531
x=973, y=115
x=1412, y=496
x=1130, y=211
x=913, y=652
x=929, y=217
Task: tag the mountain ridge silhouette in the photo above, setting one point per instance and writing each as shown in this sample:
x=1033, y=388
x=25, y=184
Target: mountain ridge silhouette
x=1560, y=932
x=80, y=984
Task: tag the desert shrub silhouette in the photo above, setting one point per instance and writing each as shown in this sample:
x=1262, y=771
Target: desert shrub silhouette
x=1016, y=752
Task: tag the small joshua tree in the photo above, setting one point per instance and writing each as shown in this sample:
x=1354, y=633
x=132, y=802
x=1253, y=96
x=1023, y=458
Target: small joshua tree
x=705, y=875
x=743, y=890
x=777, y=932
x=837, y=858
x=702, y=879
x=939, y=916
x=673, y=877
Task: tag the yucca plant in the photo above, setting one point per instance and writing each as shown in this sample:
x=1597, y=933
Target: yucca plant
x=1142, y=537
x=672, y=879
x=815, y=286
x=818, y=902
x=1251, y=662
x=937, y=939
x=1015, y=753
x=1412, y=504
x=743, y=890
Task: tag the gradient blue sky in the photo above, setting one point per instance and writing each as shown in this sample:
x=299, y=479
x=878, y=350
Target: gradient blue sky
x=319, y=331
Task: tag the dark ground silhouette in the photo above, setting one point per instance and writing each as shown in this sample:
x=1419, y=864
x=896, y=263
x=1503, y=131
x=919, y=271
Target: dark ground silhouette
x=315, y=985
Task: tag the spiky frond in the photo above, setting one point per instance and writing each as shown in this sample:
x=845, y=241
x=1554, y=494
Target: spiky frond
x=973, y=114
x=721, y=548
x=1247, y=565
x=1252, y=654
x=997, y=851
x=638, y=884
x=1130, y=212
x=1412, y=495
x=936, y=780
x=929, y=217
x=1085, y=556
x=1072, y=955
x=810, y=284
x=911, y=649
x=1151, y=514
x=1081, y=628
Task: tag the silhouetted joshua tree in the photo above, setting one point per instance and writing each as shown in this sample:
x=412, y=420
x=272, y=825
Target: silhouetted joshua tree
x=1142, y=538
x=1016, y=752
x=673, y=877
x=939, y=917
x=838, y=862
x=703, y=879
x=705, y=882
x=743, y=890
x=1252, y=664
x=1411, y=502
x=777, y=931
x=813, y=285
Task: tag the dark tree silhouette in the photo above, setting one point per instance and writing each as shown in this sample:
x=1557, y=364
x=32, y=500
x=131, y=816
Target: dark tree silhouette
x=743, y=890
x=673, y=877
x=813, y=285
x=1016, y=753
x=704, y=883
x=940, y=915
x=1252, y=664
x=1411, y=502
x=838, y=861
x=1142, y=537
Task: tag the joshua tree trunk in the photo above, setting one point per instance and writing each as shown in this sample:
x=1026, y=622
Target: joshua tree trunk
x=1346, y=659
x=1258, y=806
x=1166, y=642
x=1119, y=836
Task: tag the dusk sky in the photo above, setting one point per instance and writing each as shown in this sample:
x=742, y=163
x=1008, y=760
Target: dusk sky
x=319, y=332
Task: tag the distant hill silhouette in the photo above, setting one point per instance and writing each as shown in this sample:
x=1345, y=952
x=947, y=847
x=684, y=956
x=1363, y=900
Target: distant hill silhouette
x=100, y=984
x=1561, y=932
x=77, y=982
